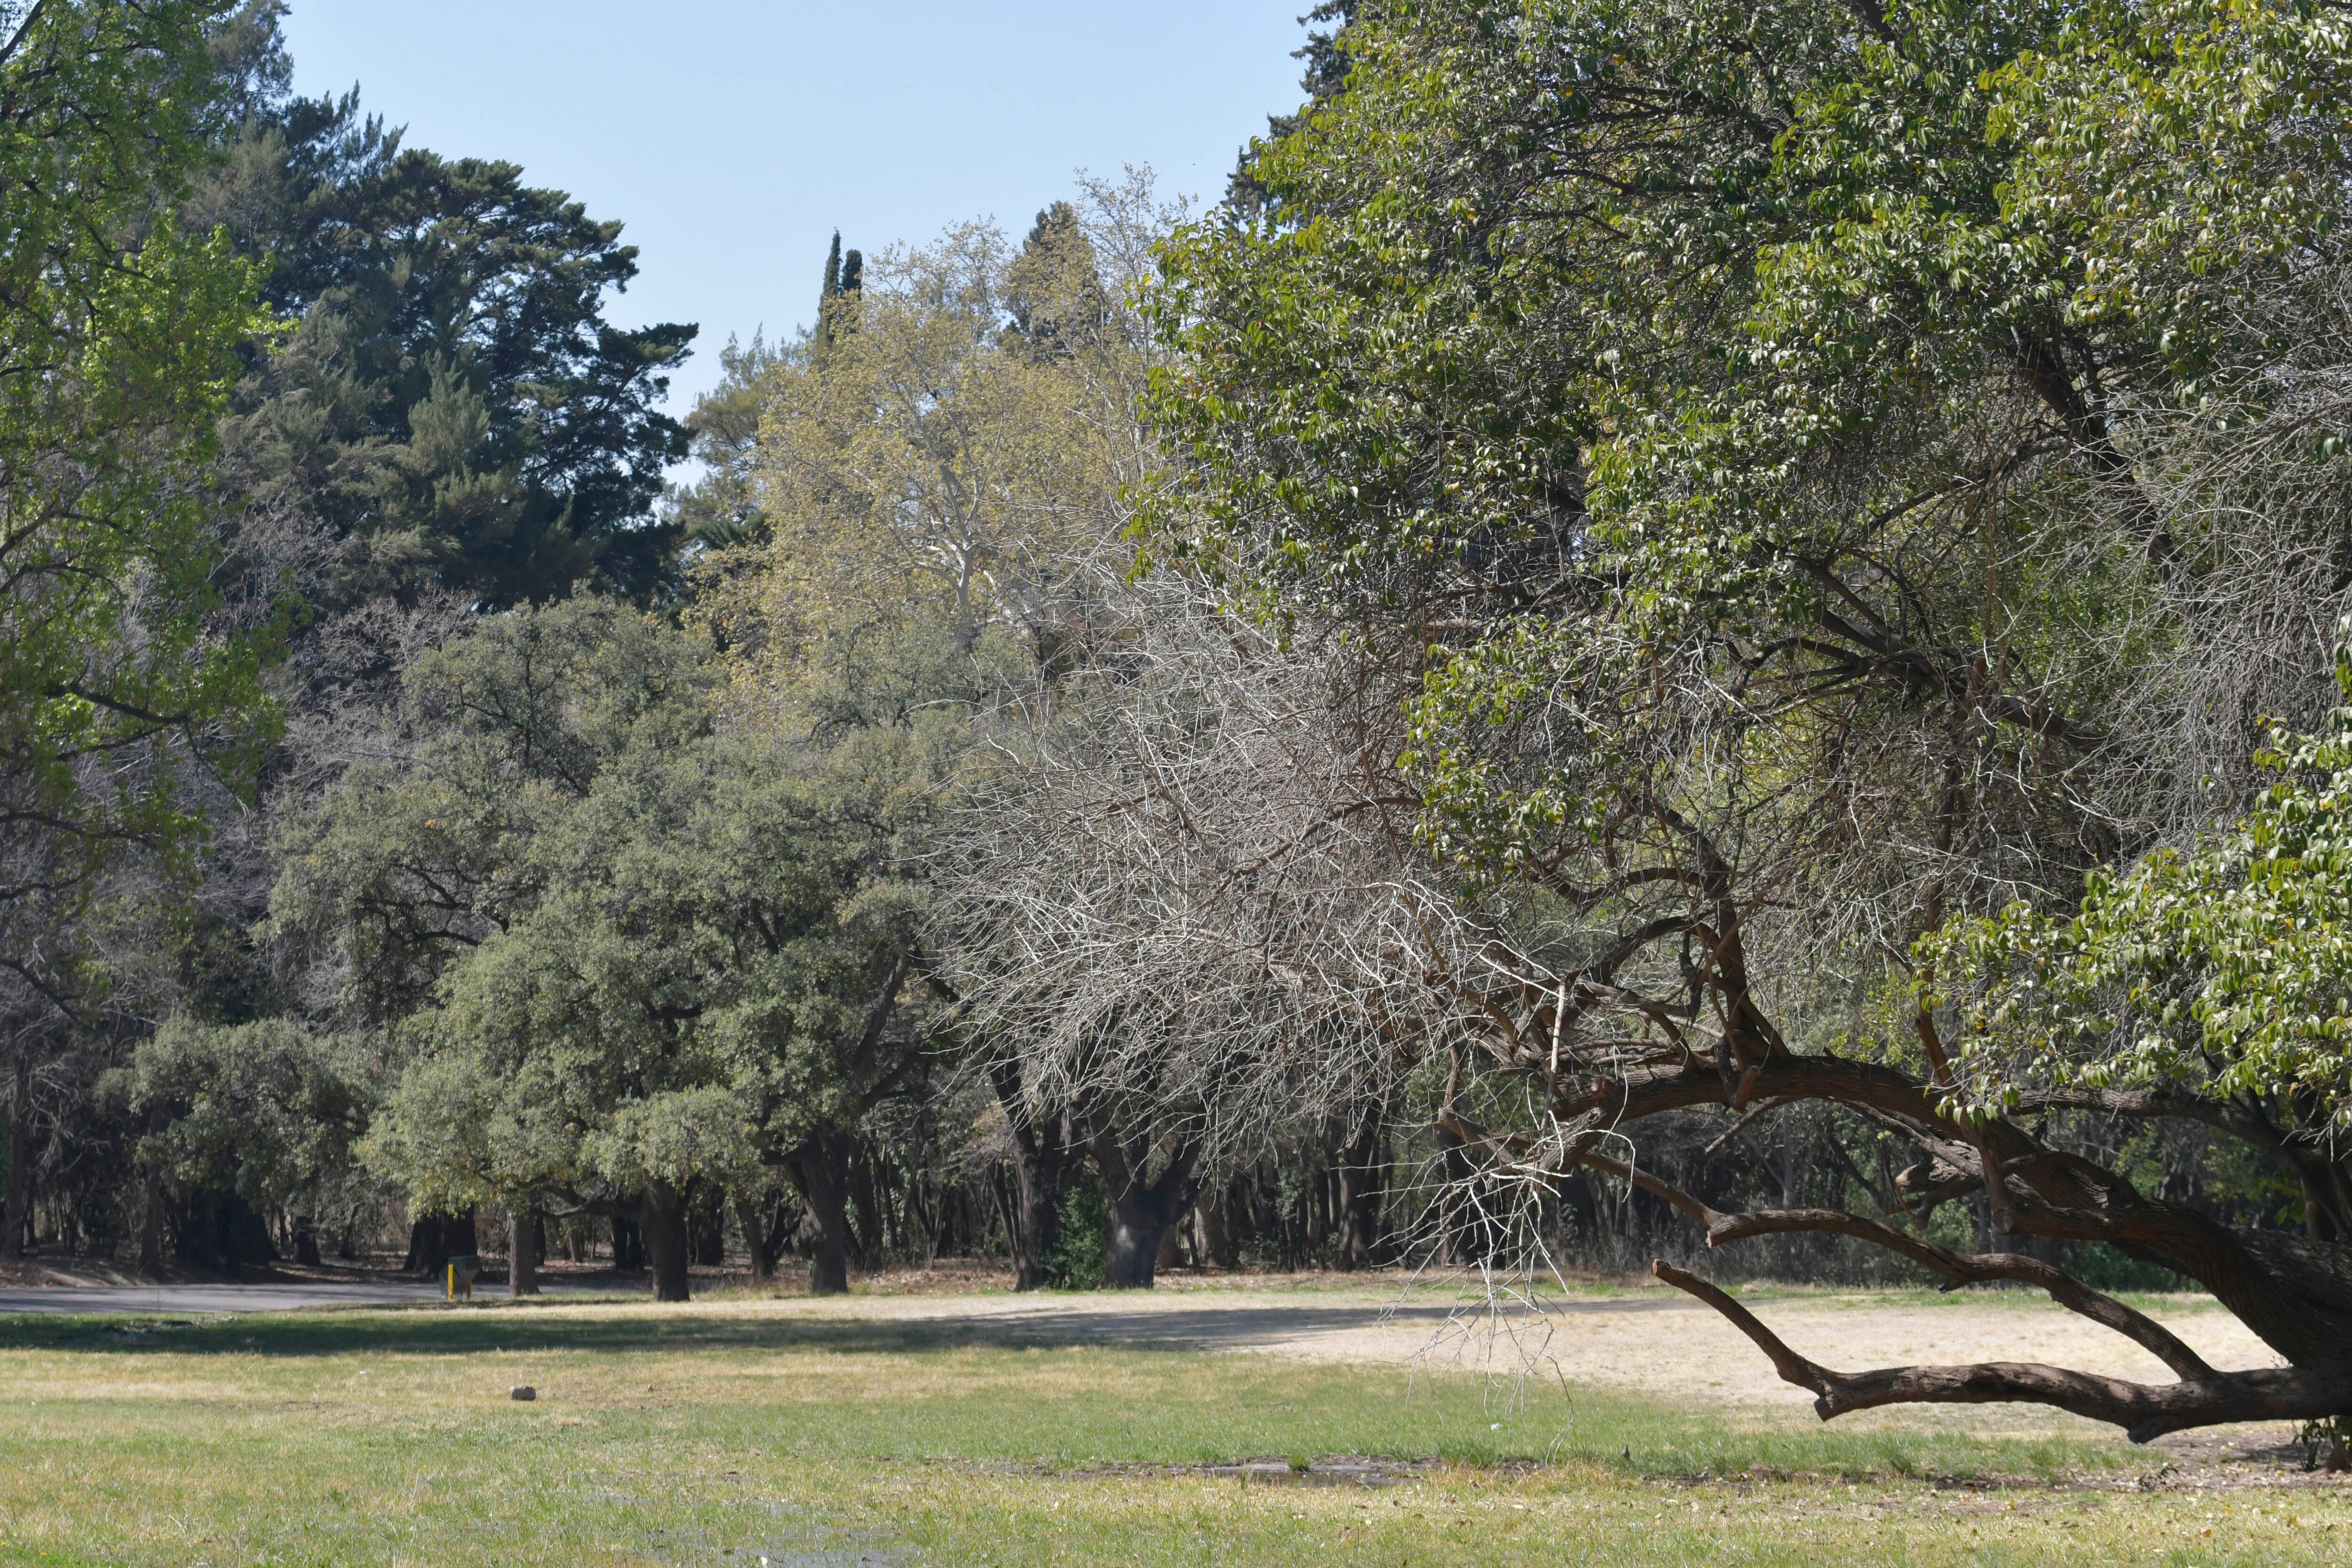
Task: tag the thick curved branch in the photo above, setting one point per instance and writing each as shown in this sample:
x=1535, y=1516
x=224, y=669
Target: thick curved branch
x=2145, y=1412
x=2298, y=1301
x=1954, y=1269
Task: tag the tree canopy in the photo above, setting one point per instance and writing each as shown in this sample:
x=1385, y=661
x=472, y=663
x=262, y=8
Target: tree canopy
x=451, y=402
x=1839, y=471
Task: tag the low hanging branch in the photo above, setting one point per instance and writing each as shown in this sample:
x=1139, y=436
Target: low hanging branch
x=2143, y=1411
x=2295, y=1293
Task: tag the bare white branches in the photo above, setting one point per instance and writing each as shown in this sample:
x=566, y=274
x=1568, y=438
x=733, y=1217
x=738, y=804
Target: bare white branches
x=1196, y=887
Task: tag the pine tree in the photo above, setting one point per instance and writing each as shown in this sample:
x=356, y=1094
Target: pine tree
x=1325, y=79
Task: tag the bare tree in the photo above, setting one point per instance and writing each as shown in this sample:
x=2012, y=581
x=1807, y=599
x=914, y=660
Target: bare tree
x=1186, y=913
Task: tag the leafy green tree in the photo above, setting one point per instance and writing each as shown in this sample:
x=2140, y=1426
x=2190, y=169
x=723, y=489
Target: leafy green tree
x=118, y=337
x=267, y=1110
x=838, y=298
x=2215, y=982
x=930, y=465
x=1799, y=447
x=450, y=405
x=721, y=508
x=939, y=477
x=628, y=953
x=1325, y=79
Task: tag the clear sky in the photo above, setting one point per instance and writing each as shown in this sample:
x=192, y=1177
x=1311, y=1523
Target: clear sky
x=734, y=137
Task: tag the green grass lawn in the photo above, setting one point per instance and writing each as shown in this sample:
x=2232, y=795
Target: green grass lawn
x=727, y=1432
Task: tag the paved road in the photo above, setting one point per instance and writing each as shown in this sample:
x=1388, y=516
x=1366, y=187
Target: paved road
x=229, y=1297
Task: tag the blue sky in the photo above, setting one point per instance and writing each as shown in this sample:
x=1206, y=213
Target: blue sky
x=733, y=137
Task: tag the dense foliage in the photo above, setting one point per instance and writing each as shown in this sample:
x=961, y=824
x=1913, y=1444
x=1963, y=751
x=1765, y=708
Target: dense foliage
x=1836, y=471
x=2222, y=972
x=449, y=404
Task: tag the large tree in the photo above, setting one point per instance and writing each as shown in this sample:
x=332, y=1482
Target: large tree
x=940, y=466
x=118, y=335
x=451, y=404
x=1837, y=469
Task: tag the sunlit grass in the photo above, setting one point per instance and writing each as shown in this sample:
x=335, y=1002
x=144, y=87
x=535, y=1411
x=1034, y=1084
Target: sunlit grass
x=711, y=1433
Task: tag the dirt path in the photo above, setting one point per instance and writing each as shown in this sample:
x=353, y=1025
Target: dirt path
x=1654, y=1342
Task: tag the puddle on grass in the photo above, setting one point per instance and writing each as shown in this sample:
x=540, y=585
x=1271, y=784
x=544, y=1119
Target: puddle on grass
x=1347, y=1471
x=805, y=1554
x=1321, y=1473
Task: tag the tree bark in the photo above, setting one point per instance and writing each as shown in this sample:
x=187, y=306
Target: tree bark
x=1465, y=1230
x=755, y=1237
x=17, y=1216
x=2202, y=1397
x=705, y=1226
x=434, y=1239
x=1210, y=1244
x=1139, y=1212
x=628, y=1244
x=820, y=1169
x=522, y=1250
x=2295, y=1293
x=151, y=1226
x=424, y=1245
x=867, y=1199
x=1363, y=1182
x=1228, y=1212
x=1041, y=1169
x=661, y=1215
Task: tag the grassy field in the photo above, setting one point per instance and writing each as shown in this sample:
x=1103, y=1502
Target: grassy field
x=726, y=1433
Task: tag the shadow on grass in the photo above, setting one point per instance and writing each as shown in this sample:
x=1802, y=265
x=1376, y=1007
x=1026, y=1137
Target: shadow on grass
x=527, y=1325
x=1198, y=1412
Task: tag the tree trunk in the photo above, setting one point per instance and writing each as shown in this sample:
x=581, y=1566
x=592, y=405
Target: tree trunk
x=151, y=1226
x=1468, y=1234
x=873, y=1240
x=820, y=1168
x=18, y=1215
x=661, y=1215
x=1171, y=1251
x=2293, y=1292
x=755, y=1237
x=522, y=1250
x=1041, y=1169
x=1140, y=1213
x=435, y=1239
x=628, y=1244
x=1211, y=1241
x=707, y=1226
x=1362, y=1179
x=1137, y=1218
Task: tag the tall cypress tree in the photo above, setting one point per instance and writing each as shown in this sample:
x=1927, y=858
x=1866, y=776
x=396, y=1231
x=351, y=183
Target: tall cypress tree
x=844, y=277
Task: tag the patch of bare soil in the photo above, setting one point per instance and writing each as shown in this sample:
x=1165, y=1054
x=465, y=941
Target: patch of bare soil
x=1655, y=1341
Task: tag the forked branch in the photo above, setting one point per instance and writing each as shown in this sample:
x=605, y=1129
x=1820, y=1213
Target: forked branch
x=2143, y=1410
x=1954, y=1269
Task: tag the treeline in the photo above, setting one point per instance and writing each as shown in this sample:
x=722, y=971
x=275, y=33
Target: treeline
x=1484, y=701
